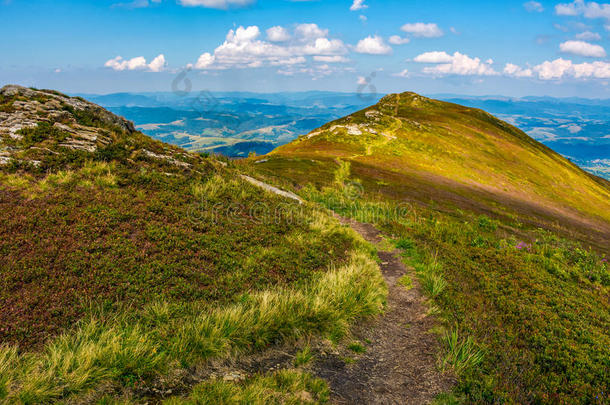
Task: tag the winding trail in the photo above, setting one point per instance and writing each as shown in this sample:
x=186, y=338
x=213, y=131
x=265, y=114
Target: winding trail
x=400, y=362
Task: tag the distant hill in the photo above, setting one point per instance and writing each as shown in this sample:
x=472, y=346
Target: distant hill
x=415, y=148
x=201, y=121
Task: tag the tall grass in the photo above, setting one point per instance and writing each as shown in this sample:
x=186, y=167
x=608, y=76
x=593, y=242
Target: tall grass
x=461, y=354
x=285, y=387
x=125, y=348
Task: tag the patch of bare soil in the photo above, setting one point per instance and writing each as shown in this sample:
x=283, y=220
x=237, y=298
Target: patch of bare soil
x=400, y=362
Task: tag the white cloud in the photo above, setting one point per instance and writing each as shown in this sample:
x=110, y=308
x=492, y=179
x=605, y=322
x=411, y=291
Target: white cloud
x=362, y=81
x=310, y=31
x=404, y=73
x=358, y=5
x=278, y=34
x=434, y=57
x=245, y=48
x=289, y=61
x=582, y=48
x=373, y=45
x=456, y=64
x=533, y=6
x=516, y=71
x=590, y=10
x=157, y=64
x=205, y=61
x=331, y=59
x=423, y=30
x=588, y=36
x=398, y=40
x=325, y=46
x=574, y=129
x=137, y=63
x=219, y=4
x=560, y=68
x=362, y=18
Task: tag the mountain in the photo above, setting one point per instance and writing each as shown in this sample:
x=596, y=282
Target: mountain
x=126, y=263
x=408, y=147
x=507, y=238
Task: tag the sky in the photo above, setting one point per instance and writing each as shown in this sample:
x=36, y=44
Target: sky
x=468, y=47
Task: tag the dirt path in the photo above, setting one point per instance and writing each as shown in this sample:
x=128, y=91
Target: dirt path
x=400, y=362
x=399, y=365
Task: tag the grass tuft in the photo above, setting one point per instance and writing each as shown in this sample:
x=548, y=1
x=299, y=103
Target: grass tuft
x=461, y=354
x=285, y=387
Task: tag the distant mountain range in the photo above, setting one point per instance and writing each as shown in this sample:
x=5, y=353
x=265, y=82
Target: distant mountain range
x=238, y=123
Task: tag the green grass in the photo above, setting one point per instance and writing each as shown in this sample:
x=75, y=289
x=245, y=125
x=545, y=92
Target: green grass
x=303, y=357
x=406, y=282
x=357, y=347
x=533, y=301
x=460, y=354
x=286, y=387
x=125, y=348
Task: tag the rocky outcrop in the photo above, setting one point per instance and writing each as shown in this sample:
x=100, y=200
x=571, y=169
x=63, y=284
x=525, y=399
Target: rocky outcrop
x=76, y=123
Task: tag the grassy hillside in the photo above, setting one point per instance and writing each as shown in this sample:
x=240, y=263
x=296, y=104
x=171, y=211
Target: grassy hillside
x=125, y=262
x=508, y=239
x=409, y=147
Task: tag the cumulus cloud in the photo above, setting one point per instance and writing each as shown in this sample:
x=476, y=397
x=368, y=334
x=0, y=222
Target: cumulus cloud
x=137, y=63
x=590, y=10
x=588, y=36
x=533, y=7
x=517, y=71
x=404, y=73
x=244, y=47
x=373, y=45
x=205, y=61
x=433, y=57
x=398, y=40
x=582, y=48
x=561, y=68
x=309, y=31
x=278, y=34
x=423, y=30
x=218, y=4
x=358, y=5
x=456, y=64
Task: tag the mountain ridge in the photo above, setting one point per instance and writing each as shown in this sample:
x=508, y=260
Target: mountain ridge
x=423, y=142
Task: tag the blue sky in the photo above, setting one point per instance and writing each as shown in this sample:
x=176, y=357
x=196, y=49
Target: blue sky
x=467, y=47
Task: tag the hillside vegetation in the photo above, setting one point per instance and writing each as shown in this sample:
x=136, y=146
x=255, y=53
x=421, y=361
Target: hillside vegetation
x=126, y=262
x=508, y=239
x=408, y=147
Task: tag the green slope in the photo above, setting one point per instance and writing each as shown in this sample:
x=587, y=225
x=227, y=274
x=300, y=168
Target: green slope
x=408, y=147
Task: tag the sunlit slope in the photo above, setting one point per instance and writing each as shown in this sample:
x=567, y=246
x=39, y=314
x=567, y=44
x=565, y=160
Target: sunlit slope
x=414, y=148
